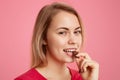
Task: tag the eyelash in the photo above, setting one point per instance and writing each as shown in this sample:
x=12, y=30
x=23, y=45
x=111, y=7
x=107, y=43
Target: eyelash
x=79, y=32
x=64, y=32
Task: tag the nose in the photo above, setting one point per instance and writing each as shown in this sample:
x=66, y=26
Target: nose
x=71, y=39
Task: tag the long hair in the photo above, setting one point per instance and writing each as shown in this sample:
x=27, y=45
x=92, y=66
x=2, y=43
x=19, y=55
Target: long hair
x=42, y=23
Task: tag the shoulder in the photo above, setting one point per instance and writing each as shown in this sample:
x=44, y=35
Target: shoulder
x=75, y=74
x=27, y=75
x=31, y=74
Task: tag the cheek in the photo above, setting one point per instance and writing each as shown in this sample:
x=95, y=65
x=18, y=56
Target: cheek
x=79, y=40
x=56, y=41
x=55, y=44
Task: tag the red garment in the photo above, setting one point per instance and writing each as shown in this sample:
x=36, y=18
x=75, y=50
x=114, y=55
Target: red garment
x=32, y=74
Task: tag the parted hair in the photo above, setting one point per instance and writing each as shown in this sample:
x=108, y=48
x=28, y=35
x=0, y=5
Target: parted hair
x=44, y=18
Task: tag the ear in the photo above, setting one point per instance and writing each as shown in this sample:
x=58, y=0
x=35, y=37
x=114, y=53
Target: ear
x=44, y=42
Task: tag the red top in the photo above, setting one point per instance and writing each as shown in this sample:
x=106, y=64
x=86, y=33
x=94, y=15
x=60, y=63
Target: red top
x=32, y=74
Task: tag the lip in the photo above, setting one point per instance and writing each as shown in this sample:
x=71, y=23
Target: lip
x=70, y=49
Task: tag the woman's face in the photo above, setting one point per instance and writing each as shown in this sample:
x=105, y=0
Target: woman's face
x=63, y=37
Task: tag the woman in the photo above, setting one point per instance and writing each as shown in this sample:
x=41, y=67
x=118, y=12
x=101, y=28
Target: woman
x=57, y=40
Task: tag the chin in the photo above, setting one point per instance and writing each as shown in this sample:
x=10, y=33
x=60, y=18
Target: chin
x=69, y=60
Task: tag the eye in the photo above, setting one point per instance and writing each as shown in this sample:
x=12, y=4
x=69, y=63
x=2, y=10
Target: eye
x=78, y=32
x=62, y=33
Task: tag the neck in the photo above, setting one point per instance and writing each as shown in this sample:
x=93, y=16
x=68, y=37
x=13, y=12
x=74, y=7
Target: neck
x=55, y=70
x=56, y=66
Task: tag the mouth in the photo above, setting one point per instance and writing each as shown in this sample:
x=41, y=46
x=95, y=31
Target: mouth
x=72, y=52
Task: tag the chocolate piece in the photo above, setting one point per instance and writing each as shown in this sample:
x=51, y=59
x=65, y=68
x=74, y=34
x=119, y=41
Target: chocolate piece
x=75, y=53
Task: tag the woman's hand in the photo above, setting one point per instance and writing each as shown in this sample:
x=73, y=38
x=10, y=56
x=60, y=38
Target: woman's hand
x=88, y=68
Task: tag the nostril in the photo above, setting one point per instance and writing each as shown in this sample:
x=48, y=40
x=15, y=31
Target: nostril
x=71, y=41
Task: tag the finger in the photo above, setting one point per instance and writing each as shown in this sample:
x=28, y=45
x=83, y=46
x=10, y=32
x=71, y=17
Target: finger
x=80, y=57
x=79, y=61
x=88, y=65
x=83, y=66
x=83, y=55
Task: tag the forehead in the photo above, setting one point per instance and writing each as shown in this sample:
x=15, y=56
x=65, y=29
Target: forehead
x=64, y=19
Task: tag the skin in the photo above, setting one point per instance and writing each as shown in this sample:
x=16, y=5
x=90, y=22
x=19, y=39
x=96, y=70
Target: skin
x=65, y=32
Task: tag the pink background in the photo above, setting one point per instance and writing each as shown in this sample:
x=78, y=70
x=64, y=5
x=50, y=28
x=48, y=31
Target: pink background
x=101, y=19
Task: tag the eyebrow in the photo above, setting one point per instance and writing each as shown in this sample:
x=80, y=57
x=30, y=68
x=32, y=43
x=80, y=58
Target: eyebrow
x=67, y=28
x=78, y=28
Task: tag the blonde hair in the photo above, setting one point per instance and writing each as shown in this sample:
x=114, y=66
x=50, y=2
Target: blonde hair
x=43, y=21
